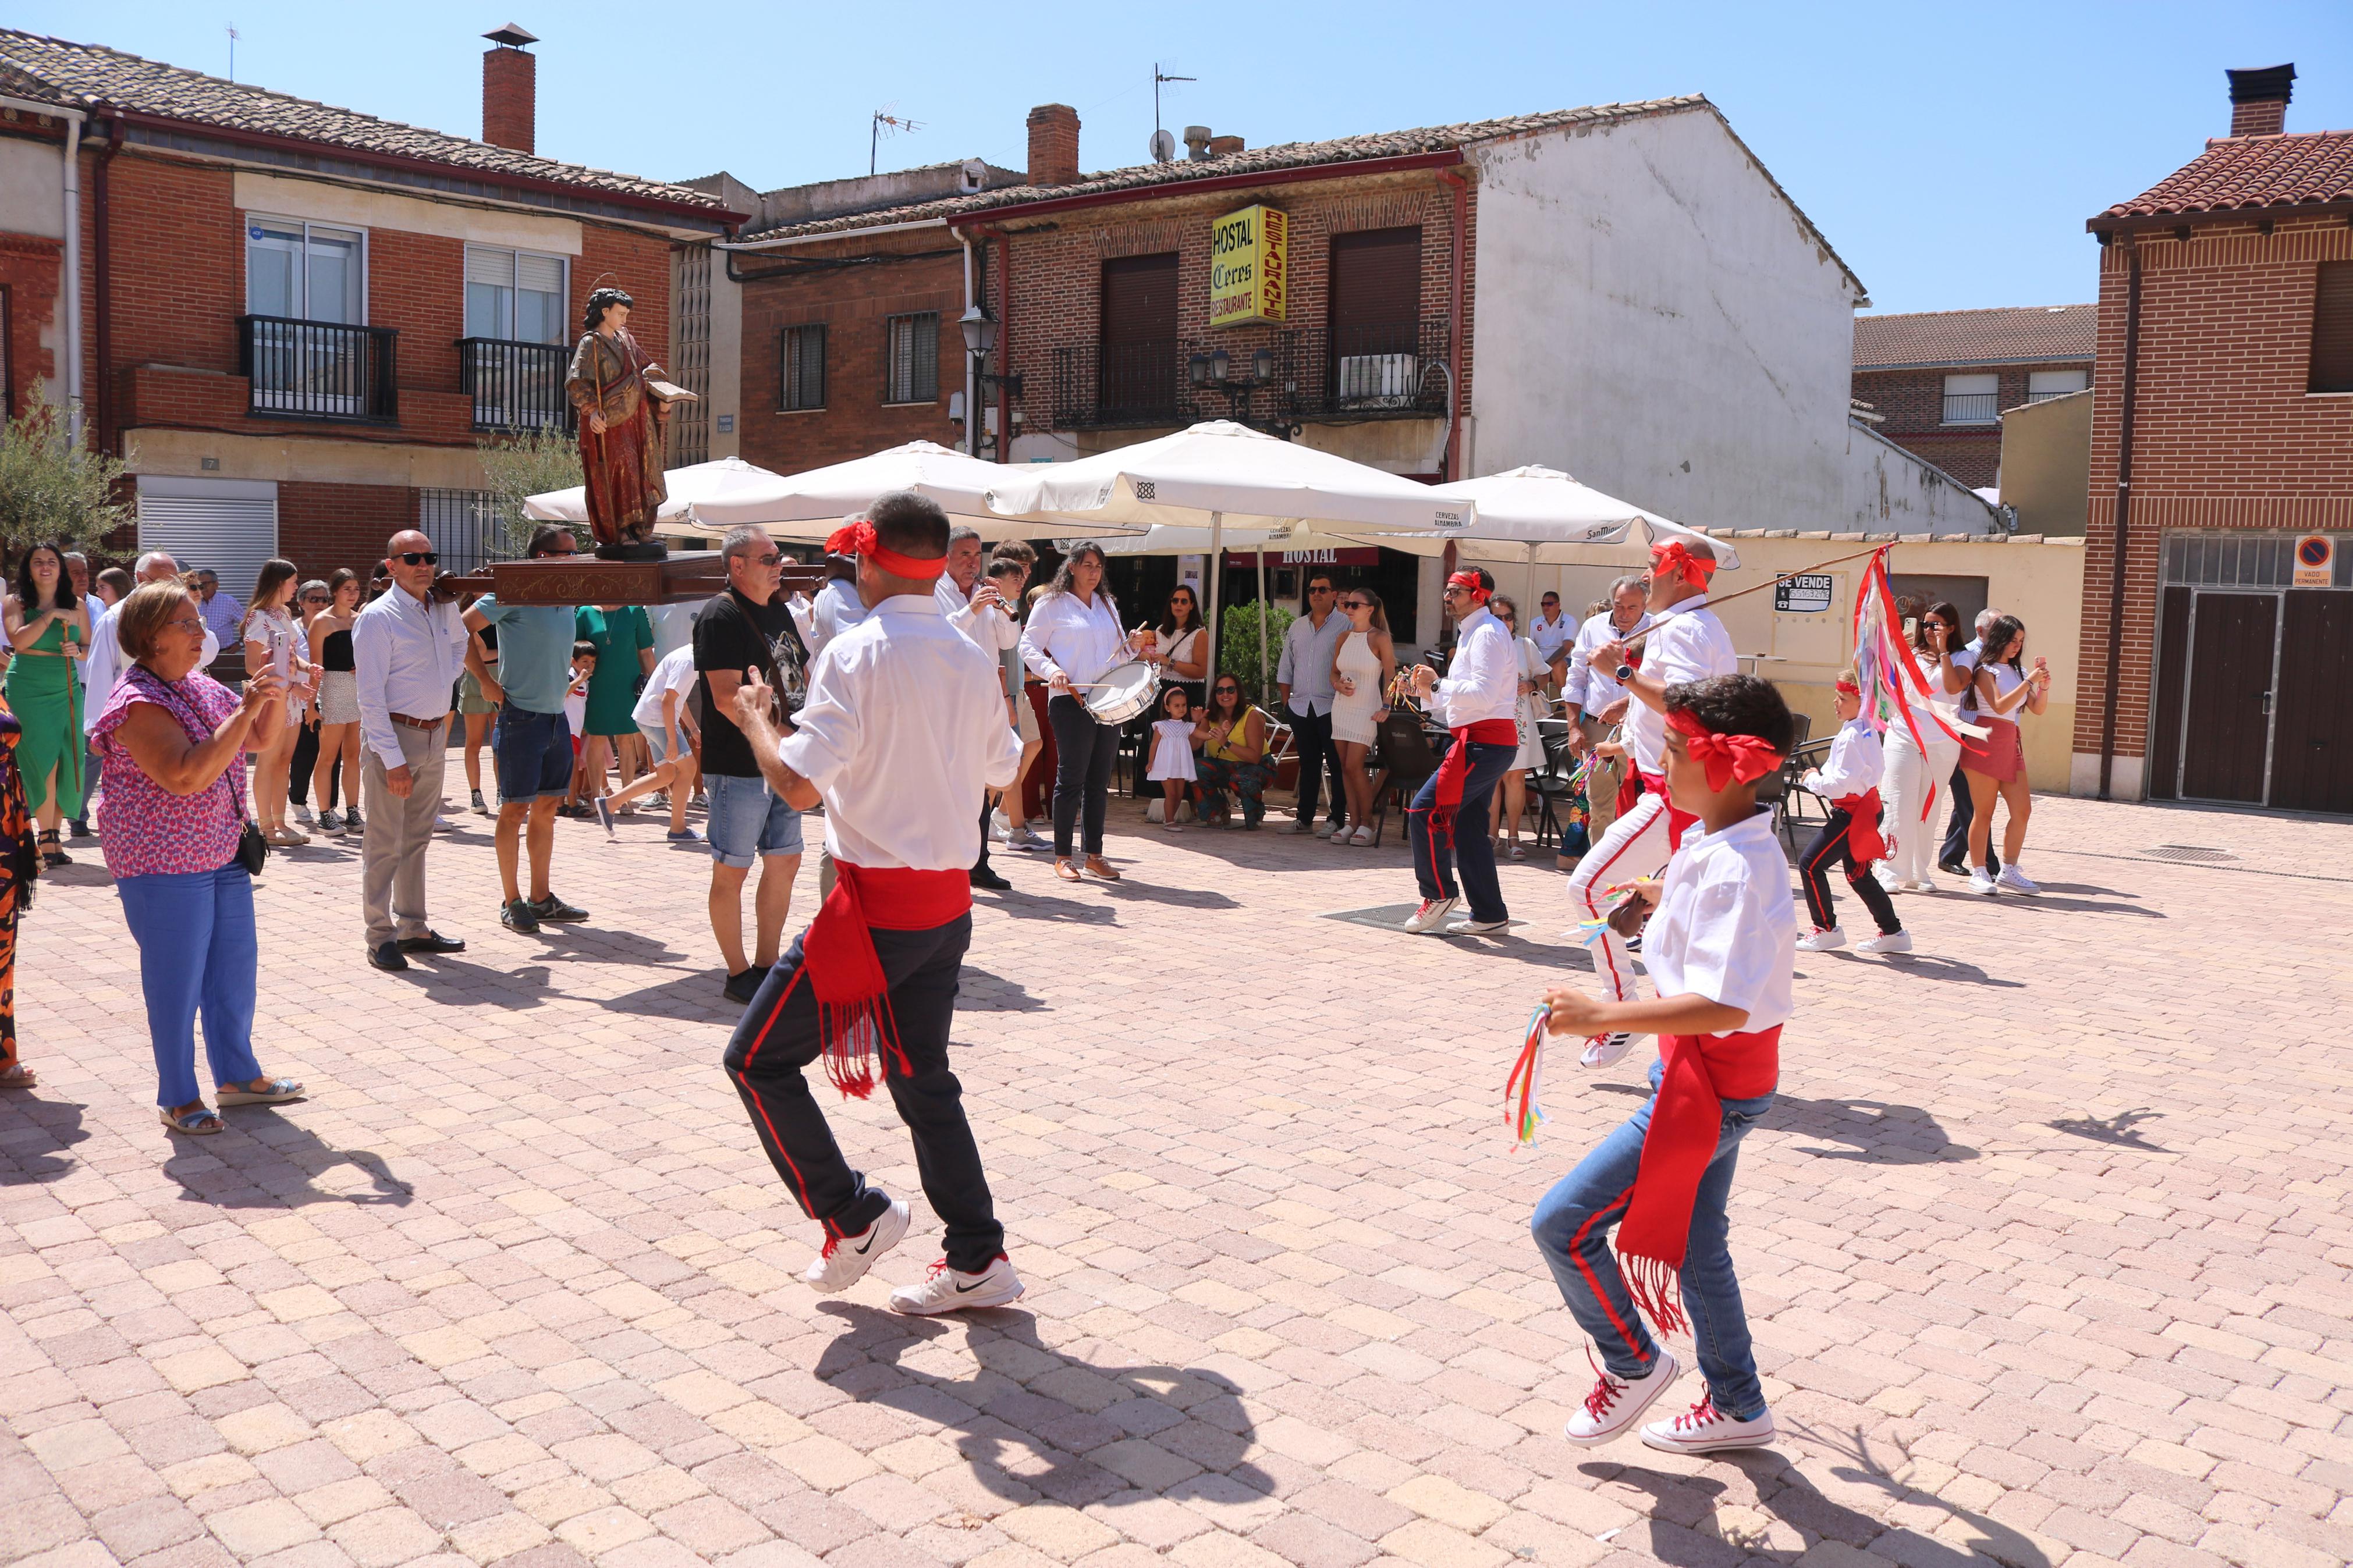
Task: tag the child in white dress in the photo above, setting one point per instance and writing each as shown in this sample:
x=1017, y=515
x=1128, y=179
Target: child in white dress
x=1172, y=752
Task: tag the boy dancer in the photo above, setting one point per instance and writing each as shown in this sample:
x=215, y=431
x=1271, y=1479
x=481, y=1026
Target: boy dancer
x=1848, y=780
x=1720, y=947
x=902, y=729
x=1687, y=643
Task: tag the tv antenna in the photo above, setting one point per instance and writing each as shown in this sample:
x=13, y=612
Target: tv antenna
x=230, y=28
x=1164, y=146
x=884, y=120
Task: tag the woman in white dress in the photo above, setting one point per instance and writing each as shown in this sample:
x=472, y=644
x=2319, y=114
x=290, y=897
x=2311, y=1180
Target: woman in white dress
x=1531, y=754
x=1912, y=783
x=271, y=643
x=1364, y=663
x=1182, y=649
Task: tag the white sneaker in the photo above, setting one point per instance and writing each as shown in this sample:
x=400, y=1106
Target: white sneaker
x=1889, y=879
x=2017, y=881
x=302, y=814
x=1702, y=1429
x=1925, y=885
x=946, y=1290
x=442, y=824
x=846, y=1259
x=1431, y=917
x=1823, y=940
x=1615, y=1405
x=1601, y=1050
x=1476, y=928
x=1979, y=883
x=1887, y=942
x=1000, y=827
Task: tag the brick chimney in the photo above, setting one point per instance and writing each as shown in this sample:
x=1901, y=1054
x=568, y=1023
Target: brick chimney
x=2259, y=100
x=1053, y=144
x=510, y=90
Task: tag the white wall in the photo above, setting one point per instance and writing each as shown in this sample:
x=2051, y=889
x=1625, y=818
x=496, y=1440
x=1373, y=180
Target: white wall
x=32, y=187
x=1889, y=491
x=1654, y=317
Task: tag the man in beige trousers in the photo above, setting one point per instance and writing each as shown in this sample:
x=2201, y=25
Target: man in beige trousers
x=407, y=648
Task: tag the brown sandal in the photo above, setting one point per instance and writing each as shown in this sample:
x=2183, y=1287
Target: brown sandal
x=1102, y=867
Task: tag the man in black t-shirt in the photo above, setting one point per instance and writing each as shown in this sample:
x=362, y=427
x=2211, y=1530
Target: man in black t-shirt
x=747, y=627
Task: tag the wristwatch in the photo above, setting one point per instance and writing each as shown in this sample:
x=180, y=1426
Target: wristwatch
x=1625, y=672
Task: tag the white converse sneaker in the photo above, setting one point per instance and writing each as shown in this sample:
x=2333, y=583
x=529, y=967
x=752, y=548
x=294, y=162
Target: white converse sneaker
x=1702, y=1429
x=1889, y=879
x=1979, y=883
x=1616, y=1404
x=1822, y=940
x=1601, y=1050
x=302, y=814
x=1431, y=917
x=1886, y=942
x=2014, y=880
x=946, y=1290
x=846, y=1258
x=1477, y=928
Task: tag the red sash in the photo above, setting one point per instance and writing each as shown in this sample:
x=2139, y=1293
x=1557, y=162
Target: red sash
x=1862, y=839
x=1678, y=821
x=1456, y=770
x=1701, y=1072
x=853, y=995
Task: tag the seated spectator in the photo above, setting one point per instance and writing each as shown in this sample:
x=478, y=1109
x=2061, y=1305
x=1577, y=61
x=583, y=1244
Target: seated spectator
x=1233, y=735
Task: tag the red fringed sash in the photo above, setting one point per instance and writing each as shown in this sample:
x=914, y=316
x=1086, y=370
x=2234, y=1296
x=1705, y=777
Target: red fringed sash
x=853, y=995
x=1700, y=1072
x=1863, y=838
x=1456, y=769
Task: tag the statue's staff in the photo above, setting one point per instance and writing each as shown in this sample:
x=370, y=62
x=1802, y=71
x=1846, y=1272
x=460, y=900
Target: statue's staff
x=1665, y=616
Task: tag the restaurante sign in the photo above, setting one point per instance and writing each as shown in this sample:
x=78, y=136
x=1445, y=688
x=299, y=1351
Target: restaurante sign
x=1249, y=273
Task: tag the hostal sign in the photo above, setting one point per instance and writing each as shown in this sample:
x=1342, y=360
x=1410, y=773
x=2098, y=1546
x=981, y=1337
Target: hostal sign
x=1250, y=282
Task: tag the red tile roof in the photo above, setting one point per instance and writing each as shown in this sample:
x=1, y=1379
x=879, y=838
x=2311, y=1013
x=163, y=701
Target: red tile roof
x=2017, y=334
x=83, y=75
x=2247, y=174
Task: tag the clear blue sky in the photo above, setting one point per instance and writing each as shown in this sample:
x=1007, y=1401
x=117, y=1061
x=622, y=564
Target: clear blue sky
x=1950, y=152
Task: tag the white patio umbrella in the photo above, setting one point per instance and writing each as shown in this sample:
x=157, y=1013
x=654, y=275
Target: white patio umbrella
x=1217, y=474
x=810, y=505
x=720, y=478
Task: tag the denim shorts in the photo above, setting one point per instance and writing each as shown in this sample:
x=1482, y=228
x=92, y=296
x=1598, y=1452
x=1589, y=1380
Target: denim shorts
x=748, y=821
x=534, y=752
x=662, y=748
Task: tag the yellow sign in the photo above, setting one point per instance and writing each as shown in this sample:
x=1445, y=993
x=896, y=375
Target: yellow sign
x=1248, y=275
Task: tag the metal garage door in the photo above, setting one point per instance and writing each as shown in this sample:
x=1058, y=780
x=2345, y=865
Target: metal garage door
x=227, y=525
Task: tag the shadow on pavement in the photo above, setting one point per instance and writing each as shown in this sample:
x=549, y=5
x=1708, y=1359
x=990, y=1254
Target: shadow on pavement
x=2120, y=1130
x=979, y=991
x=1925, y=965
x=452, y=982
x=693, y=994
x=35, y=1134
x=1033, y=1422
x=1876, y=1131
x=1047, y=907
x=265, y=1160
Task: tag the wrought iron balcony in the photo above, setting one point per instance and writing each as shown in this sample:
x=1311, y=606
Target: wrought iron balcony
x=320, y=370
x=1102, y=386
x=1318, y=374
x=516, y=385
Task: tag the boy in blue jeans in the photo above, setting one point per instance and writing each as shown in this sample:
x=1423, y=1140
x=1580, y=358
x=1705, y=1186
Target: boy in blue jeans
x=1720, y=945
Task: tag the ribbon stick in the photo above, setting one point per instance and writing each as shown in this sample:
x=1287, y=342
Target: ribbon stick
x=1524, y=1090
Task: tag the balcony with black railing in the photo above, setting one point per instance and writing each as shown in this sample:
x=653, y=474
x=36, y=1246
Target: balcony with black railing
x=320, y=370
x=1303, y=372
x=516, y=385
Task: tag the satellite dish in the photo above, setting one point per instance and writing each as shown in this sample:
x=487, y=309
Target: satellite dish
x=1164, y=147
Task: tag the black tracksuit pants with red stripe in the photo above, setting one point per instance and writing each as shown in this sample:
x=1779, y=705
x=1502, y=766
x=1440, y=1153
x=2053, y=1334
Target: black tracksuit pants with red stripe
x=777, y=1039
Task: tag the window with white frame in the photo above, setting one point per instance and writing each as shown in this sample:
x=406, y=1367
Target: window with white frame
x=1972, y=399
x=911, y=359
x=2047, y=383
x=514, y=296
x=305, y=271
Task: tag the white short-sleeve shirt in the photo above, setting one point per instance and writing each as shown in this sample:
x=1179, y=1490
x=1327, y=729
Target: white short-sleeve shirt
x=1726, y=928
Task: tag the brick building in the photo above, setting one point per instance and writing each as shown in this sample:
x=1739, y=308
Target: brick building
x=296, y=321
x=2216, y=663
x=1940, y=379
x=1621, y=290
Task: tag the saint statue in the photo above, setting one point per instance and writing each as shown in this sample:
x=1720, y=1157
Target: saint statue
x=623, y=403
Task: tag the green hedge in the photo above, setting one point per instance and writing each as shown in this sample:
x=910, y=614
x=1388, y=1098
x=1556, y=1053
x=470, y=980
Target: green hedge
x=1237, y=649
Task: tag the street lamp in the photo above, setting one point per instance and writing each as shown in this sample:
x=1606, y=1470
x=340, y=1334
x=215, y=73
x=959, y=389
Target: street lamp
x=979, y=337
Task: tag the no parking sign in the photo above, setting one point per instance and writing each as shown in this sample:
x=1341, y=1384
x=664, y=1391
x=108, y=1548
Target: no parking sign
x=2316, y=561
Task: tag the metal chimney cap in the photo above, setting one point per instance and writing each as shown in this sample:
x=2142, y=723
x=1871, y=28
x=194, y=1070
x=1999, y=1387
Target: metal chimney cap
x=511, y=34
x=2267, y=85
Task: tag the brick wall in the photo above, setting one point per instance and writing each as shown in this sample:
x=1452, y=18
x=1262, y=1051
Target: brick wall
x=31, y=268
x=1913, y=404
x=323, y=526
x=2224, y=434
x=923, y=270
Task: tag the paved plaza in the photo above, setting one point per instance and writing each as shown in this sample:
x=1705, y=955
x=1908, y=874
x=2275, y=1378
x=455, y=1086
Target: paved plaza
x=2045, y=1240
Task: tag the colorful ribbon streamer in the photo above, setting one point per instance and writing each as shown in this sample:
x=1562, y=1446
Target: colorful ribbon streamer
x=1524, y=1090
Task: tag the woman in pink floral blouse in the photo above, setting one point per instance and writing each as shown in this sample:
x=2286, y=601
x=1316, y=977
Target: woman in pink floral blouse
x=171, y=744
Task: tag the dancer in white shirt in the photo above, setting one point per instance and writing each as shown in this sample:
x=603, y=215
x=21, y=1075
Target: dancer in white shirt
x=1848, y=780
x=902, y=731
x=974, y=607
x=1686, y=643
x=1479, y=703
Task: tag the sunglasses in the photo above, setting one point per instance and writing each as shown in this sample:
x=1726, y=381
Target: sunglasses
x=773, y=558
x=1319, y=589
x=419, y=558
x=1229, y=691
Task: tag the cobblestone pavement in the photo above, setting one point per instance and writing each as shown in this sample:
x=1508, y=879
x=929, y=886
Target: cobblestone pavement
x=2045, y=1239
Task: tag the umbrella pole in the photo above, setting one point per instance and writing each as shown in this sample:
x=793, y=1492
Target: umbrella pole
x=1216, y=577
x=1263, y=611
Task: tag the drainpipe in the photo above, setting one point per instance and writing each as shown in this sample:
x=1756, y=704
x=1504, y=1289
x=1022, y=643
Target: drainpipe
x=72, y=283
x=2124, y=519
x=103, y=276
x=971, y=363
x=1005, y=348
x=1454, y=321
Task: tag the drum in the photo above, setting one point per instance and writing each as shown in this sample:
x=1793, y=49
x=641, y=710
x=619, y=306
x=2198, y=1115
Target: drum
x=1125, y=691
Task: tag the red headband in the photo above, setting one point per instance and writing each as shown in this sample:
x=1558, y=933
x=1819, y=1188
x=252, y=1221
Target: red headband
x=859, y=539
x=1469, y=583
x=1744, y=758
x=1846, y=687
x=1671, y=557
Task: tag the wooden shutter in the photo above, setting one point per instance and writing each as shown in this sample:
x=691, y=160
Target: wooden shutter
x=1376, y=290
x=2332, y=328
x=1139, y=300
x=802, y=375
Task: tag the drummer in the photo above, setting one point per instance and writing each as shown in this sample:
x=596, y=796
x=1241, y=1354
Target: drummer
x=1072, y=642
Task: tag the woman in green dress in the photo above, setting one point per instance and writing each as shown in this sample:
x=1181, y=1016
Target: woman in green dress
x=49, y=636
x=624, y=635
